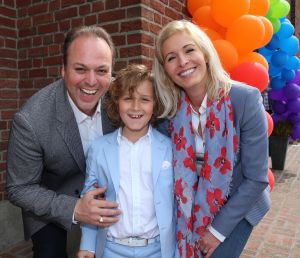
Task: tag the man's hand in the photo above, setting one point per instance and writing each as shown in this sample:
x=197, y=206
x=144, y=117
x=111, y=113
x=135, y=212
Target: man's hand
x=208, y=244
x=85, y=254
x=97, y=212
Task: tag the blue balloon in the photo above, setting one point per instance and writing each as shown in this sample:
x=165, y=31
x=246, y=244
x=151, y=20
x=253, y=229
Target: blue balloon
x=277, y=83
x=274, y=43
x=290, y=45
x=274, y=70
x=279, y=58
x=293, y=63
x=287, y=74
x=286, y=30
x=266, y=52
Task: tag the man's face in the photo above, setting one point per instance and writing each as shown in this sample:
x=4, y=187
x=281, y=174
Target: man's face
x=88, y=71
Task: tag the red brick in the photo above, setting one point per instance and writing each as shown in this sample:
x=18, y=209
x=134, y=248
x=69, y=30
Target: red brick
x=38, y=73
x=54, y=50
x=129, y=2
x=37, y=9
x=8, y=63
x=47, y=28
x=111, y=15
x=27, y=32
x=23, y=3
x=85, y=9
x=10, y=43
x=77, y=22
x=37, y=41
x=9, y=12
x=66, y=14
x=25, y=43
x=37, y=62
x=8, y=94
x=38, y=52
x=66, y=3
x=119, y=39
x=42, y=19
x=8, y=83
x=90, y=20
x=55, y=60
x=158, y=6
x=112, y=4
x=5, y=103
x=131, y=25
x=97, y=7
x=134, y=12
x=8, y=22
x=8, y=74
x=8, y=32
x=7, y=114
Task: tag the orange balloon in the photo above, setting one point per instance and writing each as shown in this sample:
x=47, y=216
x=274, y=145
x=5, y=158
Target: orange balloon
x=202, y=17
x=213, y=35
x=193, y=5
x=271, y=179
x=246, y=33
x=259, y=7
x=226, y=12
x=270, y=123
x=254, y=57
x=227, y=53
x=268, y=31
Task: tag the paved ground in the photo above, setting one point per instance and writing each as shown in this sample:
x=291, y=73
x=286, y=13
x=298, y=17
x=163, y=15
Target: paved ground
x=277, y=236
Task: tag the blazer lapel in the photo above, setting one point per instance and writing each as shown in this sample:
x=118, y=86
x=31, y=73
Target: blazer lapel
x=68, y=128
x=158, y=154
x=112, y=157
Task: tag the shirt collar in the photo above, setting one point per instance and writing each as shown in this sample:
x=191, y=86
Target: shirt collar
x=79, y=115
x=203, y=106
x=121, y=138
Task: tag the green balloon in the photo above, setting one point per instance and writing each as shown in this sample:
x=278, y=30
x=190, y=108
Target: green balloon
x=272, y=2
x=275, y=23
x=280, y=9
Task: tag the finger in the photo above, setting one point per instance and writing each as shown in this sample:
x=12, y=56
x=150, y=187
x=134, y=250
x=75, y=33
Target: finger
x=97, y=191
x=105, y=204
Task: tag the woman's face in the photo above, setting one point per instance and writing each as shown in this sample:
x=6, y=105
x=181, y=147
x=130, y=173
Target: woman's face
x=184, y=62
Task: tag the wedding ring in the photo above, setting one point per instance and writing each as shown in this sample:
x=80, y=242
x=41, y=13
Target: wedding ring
x=204, y=252
x=101, y=219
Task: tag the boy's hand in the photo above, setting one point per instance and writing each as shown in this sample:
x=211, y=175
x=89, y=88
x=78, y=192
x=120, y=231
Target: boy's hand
x=85, y=254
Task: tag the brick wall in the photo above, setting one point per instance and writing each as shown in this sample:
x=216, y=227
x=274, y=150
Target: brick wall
x=32, y=33
x=8, y=79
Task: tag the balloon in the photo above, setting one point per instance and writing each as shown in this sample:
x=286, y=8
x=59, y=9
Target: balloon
x=297, y=77
x=279, y=58
x=268, y=31
x=254, y=57
x=259, y=7
x=290, y=45
x=275, y=23
x=274, y=44
x=277, y=83
x=287, y=74
x=193, y=5
x=294, y=105
x=274, y=71
x=296, y=132
x=227, y=53
x=291, y=91
x=265, y=51
x=279, y=9
x=272, y=2
x=286, y=30
x=294, y=118
x=202, y=17
x=293, y=63
x=226, y=12
x=278, y=118
x=213, y=35
x=276, y=94
x=246, y=33
x=271, y=179
x=251, y=73
x=279, y=107
x=270, y=123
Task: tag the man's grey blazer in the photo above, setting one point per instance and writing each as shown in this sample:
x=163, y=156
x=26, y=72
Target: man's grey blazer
x=46, y=163
x=249, y=195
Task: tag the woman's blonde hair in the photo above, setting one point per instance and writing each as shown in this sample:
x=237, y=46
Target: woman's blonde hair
x=218, y=79
x=127, y=80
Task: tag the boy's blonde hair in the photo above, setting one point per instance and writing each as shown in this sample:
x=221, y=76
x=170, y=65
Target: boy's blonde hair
x=127, y=80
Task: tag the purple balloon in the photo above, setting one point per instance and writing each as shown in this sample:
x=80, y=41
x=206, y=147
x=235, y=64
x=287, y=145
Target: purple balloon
x=297, y=77
x=291, y=91
x=296, y=132
x=279, y=107
x=294, y=106
x=279, y=117
x=294, y=118
x=276, y=94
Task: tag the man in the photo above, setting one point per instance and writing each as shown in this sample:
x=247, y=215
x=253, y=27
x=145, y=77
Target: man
x=48, y=142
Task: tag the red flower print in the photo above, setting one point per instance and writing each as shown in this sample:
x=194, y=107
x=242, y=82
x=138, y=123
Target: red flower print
x=195, y=185
x=179, y=190
x=214, y=200
x=180, y=140
x=174, y=163
x=206, y=168
x=209, y=103
x=180, y=236
x=190, y=161
x=230, y=112
x=191, y=127
x=225, y=131
x=213, y=123
x=189, y=251
x=220, y=103
x=197, y=208
x=190, y=222
x=188, y=110
x=235, y=143
x=222, y=162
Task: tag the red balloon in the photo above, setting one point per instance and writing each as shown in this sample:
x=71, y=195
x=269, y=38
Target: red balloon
x=271, y=179
x=270, y=123
x=251, y=73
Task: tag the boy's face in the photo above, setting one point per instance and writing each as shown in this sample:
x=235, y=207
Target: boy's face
x=136, y=111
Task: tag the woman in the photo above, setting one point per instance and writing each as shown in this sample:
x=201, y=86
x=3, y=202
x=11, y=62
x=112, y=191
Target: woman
x=220, y=145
